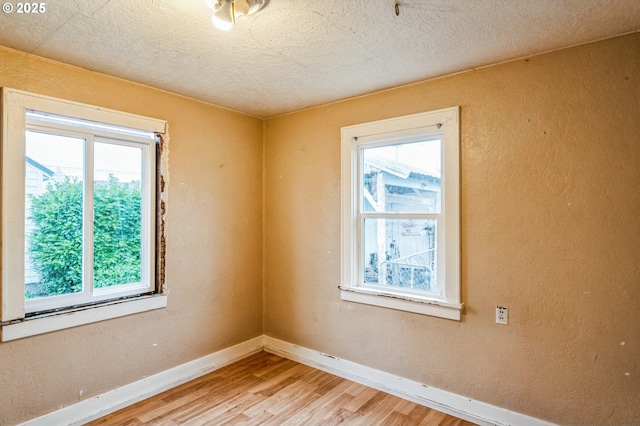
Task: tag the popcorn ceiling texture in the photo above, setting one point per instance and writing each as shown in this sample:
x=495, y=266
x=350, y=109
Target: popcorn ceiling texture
x=299, y=53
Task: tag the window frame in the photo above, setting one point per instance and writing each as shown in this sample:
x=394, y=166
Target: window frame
x=15, y=322
x=92, y=137
x=445, y=124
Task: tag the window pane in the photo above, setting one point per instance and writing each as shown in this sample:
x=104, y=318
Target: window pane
x=402, y=178
x=53, y=214
x=117, y=215
x=400, y=253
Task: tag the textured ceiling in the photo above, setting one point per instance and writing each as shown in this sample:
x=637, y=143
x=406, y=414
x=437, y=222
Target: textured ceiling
x=299, y=53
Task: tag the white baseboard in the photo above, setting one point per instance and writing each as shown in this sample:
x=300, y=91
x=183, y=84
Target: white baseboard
x=447, y=402
x=108, y=402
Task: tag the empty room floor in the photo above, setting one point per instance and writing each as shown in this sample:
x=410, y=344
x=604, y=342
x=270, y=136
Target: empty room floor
x=266, y=389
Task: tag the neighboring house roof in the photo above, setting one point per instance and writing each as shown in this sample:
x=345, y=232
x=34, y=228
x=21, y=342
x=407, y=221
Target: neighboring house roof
x=406, y=185
x=398, y=168
x=40, y=167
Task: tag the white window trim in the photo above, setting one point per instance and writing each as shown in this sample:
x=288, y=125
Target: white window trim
x=75, y=317
x=447, y=121
x=14, y=105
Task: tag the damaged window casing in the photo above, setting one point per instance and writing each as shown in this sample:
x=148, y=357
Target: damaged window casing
x=102, y=141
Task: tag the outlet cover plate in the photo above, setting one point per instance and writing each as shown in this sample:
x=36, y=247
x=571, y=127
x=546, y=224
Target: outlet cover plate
x=502, y=315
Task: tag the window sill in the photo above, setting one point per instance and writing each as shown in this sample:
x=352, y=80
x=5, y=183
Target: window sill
x=401, y=302
x=85, y=315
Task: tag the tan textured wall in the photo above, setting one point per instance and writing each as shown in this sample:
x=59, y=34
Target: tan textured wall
x=214, y=250
x=550, y=168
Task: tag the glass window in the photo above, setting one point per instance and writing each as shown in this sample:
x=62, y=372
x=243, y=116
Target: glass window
x=79, y=213
x=401, y=213
x=85, y=233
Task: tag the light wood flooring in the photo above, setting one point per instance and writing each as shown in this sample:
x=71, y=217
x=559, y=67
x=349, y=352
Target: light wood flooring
x=266, y=389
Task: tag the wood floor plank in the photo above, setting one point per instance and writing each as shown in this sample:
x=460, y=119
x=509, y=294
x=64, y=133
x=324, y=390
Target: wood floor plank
x=330, y=413
x=433, y=418
x=270, y=366
x=268, y=390
x=278, y=401
x=272, y=385
x=394, y=418
x=361, y=396
x=327, y=403
x=339, y=416
x=416, y=415
x=375, y=410
x=250, y=364
x=404, y=407
x=244, y=420
x=220, y=393
x=223, y=412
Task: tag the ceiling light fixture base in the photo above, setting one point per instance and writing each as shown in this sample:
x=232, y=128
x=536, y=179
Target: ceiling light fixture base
x=225, y=12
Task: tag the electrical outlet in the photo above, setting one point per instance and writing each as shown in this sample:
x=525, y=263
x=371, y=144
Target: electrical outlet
x=502, y=315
